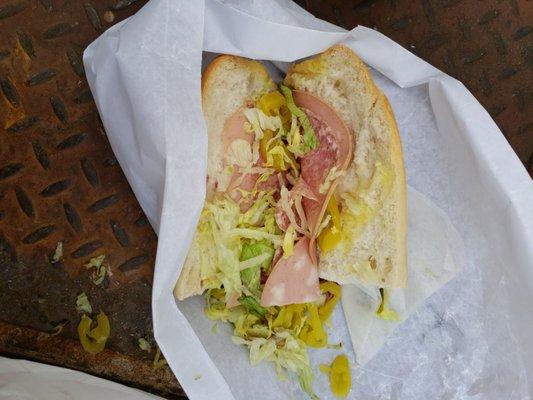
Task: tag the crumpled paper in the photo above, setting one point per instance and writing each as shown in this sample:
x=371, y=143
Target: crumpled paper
x=434, y=253
x=471, y=339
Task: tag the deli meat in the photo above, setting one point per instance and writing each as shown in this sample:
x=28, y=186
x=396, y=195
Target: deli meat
x=300, y=190
x=320, y=166
x=234, y=130
x=293, y=280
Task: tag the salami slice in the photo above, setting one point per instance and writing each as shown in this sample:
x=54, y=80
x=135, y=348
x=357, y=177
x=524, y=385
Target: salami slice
x=293, y=280
x=333, y=152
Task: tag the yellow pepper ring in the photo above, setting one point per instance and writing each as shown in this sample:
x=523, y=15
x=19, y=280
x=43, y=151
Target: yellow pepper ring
x=331, y=234
x=274, y=153
x=270, y=103
x=94, y=340
x=313, y=333
x=263, y=143
x=327, y=308
x=340, y=380
x=289, y=316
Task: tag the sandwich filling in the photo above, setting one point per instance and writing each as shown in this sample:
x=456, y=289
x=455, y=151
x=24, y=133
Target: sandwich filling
x=256, y=241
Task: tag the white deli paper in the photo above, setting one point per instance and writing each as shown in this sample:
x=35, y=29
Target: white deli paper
x=434, y=252
x=27, y=380
x=470, y=340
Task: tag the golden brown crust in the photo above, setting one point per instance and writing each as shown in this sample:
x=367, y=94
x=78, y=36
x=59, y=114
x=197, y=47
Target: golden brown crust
x=400, y=272
x=345, y=52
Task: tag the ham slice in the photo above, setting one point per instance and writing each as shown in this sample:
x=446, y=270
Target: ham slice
x=234, y=130
x=293, y=280
x=334, y=151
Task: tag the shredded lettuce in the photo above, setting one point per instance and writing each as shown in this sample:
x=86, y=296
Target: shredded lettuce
x=261, y=349
x=232, y=246
x=224, y=179
x=253, y=306
x=58, y=253
x=332, y=175
x=261, y=253
x=309, y=138
x=287, y=352
x=240, y=153
x=279, y=158
x=223, y=217
x=99, y=271
x=249, y=233
x=254, y=249
x=255, y=215
x=294, y=138
x=271, y=334
x=288, y=241
x=258, y=122
x=82, y=304
x=251, y=277
x=293, y=357
x=144, y=345
x=254, y=261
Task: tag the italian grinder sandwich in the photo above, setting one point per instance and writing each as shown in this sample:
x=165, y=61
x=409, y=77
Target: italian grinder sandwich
x=305, y=191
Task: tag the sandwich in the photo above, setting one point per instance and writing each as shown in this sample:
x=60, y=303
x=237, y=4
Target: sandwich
x=305, y=192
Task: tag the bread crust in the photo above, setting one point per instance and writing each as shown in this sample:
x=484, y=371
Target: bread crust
x=219, y=67
x=399, y=278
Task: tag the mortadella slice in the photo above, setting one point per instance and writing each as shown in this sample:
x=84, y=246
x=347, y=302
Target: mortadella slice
x=293, y=280
x=334, y=151
x=234, y=130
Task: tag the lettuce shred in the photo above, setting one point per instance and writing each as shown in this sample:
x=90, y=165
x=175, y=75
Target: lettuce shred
x=222, y=234
x=256, y=327
x=309, y=138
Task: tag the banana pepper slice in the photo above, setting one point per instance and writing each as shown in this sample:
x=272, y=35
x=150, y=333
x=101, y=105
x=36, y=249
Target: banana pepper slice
x=313, y=333
x=275, y=154
x=271, y=103
x=340, y=380
x=331, y=234
x=94, y=340
x=289, y=317
x=326, y=309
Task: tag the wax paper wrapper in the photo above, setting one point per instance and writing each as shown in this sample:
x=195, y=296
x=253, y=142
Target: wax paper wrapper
x=27, y=380
x=470, y=207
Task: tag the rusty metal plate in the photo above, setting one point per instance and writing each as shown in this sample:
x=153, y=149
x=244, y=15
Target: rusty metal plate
x=485, y=44
x=59, y=180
